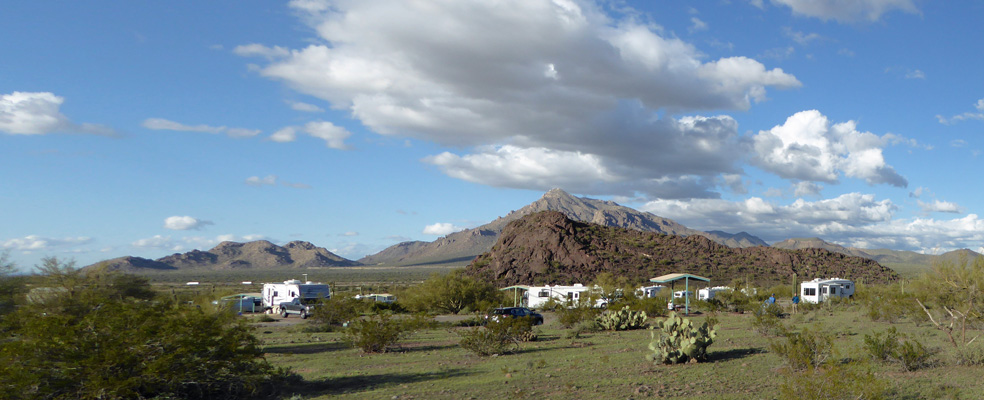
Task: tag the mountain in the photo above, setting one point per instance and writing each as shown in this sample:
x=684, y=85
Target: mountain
x=259, y=254
x=883, y=256
x=550, y=248
x=465, y=245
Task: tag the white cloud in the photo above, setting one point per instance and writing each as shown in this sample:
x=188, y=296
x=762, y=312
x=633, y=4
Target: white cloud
x=258, y=50
x=38, y=113
x=32, y=243
x=848, y=10
x=183, y=223
x=940, y=206
x=696, y=25
x=305, y=107
x=333, y=135
x=268, y=180
x=168, y=125
x=156, y=242
x=804, y=189
x=807, y=147
x=915, y=74
x=350, y=233
x=801, y=38
x=979, y=114
x=441, y=229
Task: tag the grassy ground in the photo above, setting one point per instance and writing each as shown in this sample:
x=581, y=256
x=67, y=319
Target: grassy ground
x=430, y=364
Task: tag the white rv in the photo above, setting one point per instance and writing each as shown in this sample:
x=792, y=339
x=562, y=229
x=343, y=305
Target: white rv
x=679, y=294
x=276, y=293
x=818, y=290
x=708, y=293
x=648, y=292
x=537, y=296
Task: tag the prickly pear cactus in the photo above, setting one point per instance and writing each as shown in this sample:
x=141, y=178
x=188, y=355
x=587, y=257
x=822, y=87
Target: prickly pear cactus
x=677, y=340
x=622, y=320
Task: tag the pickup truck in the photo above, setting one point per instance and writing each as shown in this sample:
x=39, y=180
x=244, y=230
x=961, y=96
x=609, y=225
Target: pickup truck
x=296, y=306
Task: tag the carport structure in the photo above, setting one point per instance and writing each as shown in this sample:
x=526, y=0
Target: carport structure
x=672, y=278
x=516, y=296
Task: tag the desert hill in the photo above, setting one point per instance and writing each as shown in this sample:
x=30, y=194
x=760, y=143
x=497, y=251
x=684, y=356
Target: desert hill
x=883, y=256
x=463, y=246
x=259, y=254
x=550, y=248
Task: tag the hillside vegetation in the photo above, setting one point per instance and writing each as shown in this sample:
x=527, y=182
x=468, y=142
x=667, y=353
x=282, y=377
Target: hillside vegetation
x=549, y=248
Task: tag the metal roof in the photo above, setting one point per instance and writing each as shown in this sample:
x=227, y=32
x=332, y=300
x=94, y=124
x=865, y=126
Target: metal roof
x=678, y=276
x=520, y=287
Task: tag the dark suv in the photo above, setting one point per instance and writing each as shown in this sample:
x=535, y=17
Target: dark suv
x=516, y=312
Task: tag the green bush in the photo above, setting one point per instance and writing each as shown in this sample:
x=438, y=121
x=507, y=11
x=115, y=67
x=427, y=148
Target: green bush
x=378, y=332
x=451, y=293
x=498, y=336
x=621, y=320
x=571, y=316
x=892, y=346
x=652, y=306
x=677, y=340
x=99, y=338
x=338, y=310
x=767, y=321
x=833, y=382
x=808, y=349
x=734, y=300
x=582, y=328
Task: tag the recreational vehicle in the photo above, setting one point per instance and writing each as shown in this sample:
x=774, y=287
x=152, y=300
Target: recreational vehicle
x=708, y=293
x=818, y=290
x=538, y=296
x=648, y=292
x=679, y=294
x=276, y=293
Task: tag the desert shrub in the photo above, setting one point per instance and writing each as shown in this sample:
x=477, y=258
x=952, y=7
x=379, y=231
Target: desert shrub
x=621, y=320
x=952, y=300
x=677, y=340
x=582, y=328
x=734, y=300
x=652, y=306
x=450, y=293
x=807, y=349
x=571, y=316
x=101, y=339
x=338, y=310
x=893, y=346
x=498, y=336
x=767, y=320
x=969, y=355
x=378, y=332
x=834, y=382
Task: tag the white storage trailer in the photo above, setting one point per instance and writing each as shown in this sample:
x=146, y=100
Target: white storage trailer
x=818, y=290
x=708, y=293
x=276, y=293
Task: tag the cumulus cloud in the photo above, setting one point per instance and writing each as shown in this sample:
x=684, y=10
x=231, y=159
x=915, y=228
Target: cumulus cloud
x=441, y=229
x=940, y=206
x=183, y=223
x=32, y=243
x=564, y=82
x=808, y=147
x=804, y=189
x=305, y=107
x=848, y=10
x=39, y=113
x=160, y=124
x=979, y=114
x=333, y=135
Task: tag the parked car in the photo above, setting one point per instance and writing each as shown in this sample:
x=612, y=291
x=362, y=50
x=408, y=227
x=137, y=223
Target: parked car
x=241, y=303
x=515, y=312
x=297, y=306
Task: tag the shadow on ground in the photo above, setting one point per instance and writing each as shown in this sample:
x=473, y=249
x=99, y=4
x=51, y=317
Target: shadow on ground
x=734, y=354
x=362, y=383
x=306, y=348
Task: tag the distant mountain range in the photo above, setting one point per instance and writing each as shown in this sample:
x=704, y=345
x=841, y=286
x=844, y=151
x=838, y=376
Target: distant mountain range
x=463, y=246
x=550, y=248
x=883, y=256
x=260, y=254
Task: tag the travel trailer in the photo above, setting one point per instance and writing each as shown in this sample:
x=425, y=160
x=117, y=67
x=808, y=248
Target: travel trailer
x=648, y=292
x=818, y=290
x=708, y=293
x=276, y=293
x=680, y=294
x=538, y=296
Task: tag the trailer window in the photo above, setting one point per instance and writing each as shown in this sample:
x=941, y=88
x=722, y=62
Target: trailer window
x=809, y=291
x=823, y=290
x=544, y=293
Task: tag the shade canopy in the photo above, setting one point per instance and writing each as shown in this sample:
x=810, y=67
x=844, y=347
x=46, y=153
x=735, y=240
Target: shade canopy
x=669, y=278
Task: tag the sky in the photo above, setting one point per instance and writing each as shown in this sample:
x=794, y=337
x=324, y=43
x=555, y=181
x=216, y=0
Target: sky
x=149, y=128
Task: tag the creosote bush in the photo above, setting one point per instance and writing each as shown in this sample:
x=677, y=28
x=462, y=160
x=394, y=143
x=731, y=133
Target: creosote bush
x=893, y=346
x=451, y=293
x=807, y=349
x=498, y=336
x=378, y=332
x=337, y=311
x=99, y=335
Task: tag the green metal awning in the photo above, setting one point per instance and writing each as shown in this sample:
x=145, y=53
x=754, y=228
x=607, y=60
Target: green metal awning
x=670, y=278
x=517, y=288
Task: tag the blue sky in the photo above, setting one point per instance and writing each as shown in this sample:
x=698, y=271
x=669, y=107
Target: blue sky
x=148, y=128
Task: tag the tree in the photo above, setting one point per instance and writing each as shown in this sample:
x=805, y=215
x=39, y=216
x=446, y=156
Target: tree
x=450, y=293
x=952, y=297
x=98, y=335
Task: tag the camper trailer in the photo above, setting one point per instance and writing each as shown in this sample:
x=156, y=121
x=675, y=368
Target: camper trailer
x=818, y=290
x=276, y=293
x=708, y=293
x=680, y=294
x=648, y=292
x=537, y=296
